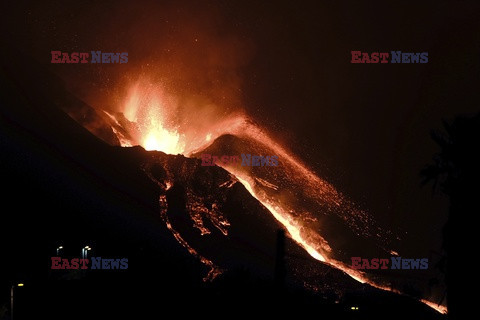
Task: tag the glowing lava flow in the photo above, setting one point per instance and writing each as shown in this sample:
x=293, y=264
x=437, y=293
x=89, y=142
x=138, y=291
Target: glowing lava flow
x=439, y=308
x=214, y=270
x=151, y=114
x=292, y=229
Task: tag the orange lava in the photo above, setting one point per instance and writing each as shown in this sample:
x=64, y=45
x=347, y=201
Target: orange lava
x=151, y=110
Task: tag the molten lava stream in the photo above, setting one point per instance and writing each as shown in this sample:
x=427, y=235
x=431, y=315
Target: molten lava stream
x=294, y=231
x=149, y=114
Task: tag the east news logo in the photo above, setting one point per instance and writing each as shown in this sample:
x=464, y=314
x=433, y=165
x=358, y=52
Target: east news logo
x=247, y=160
x=85, y=263
x=392, y=57
x=83, y=57
x=93, y=263
x=397, y=263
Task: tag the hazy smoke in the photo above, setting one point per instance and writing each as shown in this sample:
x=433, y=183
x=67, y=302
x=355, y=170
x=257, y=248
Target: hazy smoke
x=188, y=55
x=189, y=50
x=186, y=52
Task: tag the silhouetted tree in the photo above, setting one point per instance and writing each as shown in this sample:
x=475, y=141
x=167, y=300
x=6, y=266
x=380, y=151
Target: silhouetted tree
x=455, y=171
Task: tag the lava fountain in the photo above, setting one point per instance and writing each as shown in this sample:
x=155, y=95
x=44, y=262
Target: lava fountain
x=148, y=110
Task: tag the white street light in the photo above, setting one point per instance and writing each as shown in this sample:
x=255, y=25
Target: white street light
x=11, y=298
x=84, y=251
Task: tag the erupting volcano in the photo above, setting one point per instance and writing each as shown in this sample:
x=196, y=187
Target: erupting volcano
x=237, y=150
x=318, y=217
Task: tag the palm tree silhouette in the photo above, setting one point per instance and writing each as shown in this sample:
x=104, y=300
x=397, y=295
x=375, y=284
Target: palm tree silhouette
x=455, y=172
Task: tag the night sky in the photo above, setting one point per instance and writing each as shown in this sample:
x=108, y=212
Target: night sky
x=364, y=127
